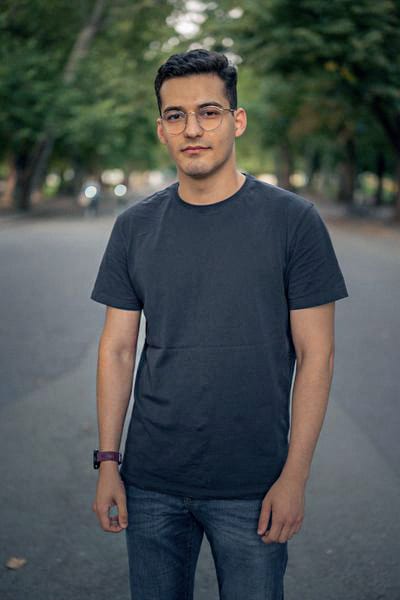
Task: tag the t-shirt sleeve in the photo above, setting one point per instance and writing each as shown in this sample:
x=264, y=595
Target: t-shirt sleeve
x=113, y=285
x=313, y=275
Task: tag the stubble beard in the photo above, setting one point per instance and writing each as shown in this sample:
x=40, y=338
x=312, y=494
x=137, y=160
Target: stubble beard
x=199, y=169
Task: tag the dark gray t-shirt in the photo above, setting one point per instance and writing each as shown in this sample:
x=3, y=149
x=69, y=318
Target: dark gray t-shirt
x=216, y=283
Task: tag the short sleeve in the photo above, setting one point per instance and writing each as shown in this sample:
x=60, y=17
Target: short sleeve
x=313, y=274
x=113, y=285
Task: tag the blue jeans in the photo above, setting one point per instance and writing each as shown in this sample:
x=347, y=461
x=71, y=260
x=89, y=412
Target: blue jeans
x=164, y=536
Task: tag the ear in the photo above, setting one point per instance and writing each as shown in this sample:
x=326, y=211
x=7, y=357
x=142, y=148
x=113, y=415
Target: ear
x=160, y=131
x=240, y=122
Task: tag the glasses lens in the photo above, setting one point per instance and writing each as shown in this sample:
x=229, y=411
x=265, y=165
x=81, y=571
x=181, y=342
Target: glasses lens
x=174, y=121
x=210, y=117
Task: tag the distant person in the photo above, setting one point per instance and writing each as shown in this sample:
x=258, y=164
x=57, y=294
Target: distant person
x=121, y=197
x=237, y=279
x=89, y=197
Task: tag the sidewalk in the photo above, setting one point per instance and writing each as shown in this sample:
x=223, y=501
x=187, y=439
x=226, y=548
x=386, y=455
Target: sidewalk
x=376, y=220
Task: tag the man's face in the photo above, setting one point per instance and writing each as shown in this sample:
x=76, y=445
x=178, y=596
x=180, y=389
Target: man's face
x=188, y=93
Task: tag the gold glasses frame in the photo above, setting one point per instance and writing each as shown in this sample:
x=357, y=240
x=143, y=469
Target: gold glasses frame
x=219, y=109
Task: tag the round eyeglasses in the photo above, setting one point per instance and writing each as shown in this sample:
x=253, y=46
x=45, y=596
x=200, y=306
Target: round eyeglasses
x=208, y=117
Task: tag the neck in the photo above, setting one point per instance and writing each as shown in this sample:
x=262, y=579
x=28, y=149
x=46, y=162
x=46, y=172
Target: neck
x=213, y=188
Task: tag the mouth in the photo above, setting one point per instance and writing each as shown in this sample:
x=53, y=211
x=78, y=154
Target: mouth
x=194, y=149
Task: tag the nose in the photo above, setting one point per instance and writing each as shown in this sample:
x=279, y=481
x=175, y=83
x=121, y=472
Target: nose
x=192, y=128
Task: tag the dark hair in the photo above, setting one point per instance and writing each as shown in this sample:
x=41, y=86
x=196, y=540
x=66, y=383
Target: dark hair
x=198, y=61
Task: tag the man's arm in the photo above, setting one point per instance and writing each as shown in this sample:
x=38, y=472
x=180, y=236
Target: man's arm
x=313, y=338
x=115, y=367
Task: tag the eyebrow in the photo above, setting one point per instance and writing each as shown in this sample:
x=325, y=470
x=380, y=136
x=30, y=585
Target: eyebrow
x=209, y=103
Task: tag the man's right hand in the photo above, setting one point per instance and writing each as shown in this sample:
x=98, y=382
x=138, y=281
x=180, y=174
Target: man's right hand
x=110, y=492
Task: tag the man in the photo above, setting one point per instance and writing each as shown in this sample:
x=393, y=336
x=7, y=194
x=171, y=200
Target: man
x=237, y=279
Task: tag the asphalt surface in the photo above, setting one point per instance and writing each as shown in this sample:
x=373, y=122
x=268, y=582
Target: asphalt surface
x=349, y=544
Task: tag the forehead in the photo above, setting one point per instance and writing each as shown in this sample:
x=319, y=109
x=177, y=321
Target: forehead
x=191, y=90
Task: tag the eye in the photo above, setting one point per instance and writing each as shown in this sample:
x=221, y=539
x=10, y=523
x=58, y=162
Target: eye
x=174, y=116
x=209, y=112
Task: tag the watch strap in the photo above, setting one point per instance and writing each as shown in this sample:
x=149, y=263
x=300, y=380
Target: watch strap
x=100, y=456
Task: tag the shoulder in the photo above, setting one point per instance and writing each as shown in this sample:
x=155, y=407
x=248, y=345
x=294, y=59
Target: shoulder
x=145, y=206
x=290, y=204
x=144, y=212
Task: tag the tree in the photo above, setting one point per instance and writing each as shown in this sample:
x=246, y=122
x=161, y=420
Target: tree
x=353, y=45
x=77, y=84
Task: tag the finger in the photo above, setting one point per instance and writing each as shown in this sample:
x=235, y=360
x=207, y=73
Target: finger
x=264, y=519
x=122, y=513
x=286, y=533
x=103, y=516
x=273, y=534
x=114, y=525
x=297, y=527
x=113, y=520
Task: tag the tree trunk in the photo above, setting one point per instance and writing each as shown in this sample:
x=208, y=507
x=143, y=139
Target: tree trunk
x=7, y=198
x=284, y=166
x=397, y=194
x=390, y=121
x=23, y=182
x=79, y=176
x=314, y=165
x=38, y=161
x=347, y=174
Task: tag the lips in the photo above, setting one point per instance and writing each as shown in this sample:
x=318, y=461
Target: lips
x=190, y=149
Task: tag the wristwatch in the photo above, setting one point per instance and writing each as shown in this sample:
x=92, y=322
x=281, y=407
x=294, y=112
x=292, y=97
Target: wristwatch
x=98, y=457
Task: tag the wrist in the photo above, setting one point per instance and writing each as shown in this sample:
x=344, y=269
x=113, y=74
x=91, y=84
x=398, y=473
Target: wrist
x=295, y=475
x=108, y=465
x=106, y=456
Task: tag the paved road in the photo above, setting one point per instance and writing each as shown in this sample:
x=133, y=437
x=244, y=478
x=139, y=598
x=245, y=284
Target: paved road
x=348, y=547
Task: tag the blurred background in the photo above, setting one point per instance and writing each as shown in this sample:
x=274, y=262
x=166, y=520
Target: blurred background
x=320, y=82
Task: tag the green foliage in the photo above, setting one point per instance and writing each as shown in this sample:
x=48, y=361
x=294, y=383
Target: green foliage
x=106, y=117
x=313, y=75
x=324, y=72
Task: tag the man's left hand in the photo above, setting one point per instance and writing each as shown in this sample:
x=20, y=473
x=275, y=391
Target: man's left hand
x=285, y=500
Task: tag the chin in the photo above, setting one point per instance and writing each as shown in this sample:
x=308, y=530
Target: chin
x=197, y=170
